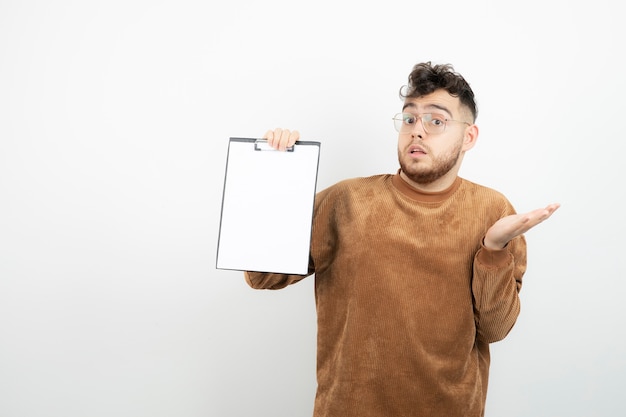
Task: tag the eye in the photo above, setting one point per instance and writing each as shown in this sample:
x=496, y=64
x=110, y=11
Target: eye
x=408, y=119
x=437, y=120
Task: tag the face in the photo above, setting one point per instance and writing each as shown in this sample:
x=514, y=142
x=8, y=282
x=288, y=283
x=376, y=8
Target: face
x=428, y=159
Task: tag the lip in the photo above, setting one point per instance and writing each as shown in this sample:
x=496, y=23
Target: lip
x=416, y=150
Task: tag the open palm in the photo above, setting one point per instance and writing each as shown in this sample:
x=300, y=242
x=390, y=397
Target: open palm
x=514, y=225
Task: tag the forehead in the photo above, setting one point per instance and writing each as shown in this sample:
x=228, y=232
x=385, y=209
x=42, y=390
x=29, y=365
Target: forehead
x=438, y=101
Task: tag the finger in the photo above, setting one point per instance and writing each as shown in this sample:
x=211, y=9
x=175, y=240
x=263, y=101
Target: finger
x=274, y=137
x=293, y=138
x=546, y=212
x=533, y=218
x=284, y=139
x=553, y=207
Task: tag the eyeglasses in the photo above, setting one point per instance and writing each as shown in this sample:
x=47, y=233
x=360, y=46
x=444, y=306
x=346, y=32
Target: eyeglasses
x=433, y=124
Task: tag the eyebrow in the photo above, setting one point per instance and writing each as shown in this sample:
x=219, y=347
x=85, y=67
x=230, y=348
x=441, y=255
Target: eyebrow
x=429, y=106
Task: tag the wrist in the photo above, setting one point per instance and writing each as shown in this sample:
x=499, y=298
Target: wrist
x=493, y=245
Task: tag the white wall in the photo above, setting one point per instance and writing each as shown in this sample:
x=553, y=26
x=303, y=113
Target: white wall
x=114, y=121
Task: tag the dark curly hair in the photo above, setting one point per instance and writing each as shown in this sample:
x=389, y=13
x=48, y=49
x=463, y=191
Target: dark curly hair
x=426, y=78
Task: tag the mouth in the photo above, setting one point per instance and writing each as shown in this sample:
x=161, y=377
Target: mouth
x=416, y=150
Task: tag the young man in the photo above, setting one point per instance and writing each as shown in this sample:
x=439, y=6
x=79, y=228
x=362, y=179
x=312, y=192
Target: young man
x=415, y=273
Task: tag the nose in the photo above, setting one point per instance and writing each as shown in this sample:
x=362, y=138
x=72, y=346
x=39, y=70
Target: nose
x=418, y=130
x=415, y=134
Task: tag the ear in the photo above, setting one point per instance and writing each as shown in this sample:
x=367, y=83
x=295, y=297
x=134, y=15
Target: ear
x=470, y=137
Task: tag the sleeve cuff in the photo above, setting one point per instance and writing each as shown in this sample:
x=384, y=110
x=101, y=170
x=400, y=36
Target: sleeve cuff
x=491, y=257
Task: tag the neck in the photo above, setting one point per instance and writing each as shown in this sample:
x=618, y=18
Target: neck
x=440, y=184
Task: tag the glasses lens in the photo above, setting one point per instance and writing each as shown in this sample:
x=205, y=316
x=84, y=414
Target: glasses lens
x=434, y=123
x=405, y=122
x=398, y=122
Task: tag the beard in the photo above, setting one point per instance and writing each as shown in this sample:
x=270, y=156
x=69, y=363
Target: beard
x=440, y=166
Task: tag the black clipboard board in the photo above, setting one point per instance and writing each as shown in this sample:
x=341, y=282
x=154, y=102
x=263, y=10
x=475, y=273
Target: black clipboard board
x=267, y=207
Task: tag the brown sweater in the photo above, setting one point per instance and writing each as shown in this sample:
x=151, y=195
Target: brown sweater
x=407, y=297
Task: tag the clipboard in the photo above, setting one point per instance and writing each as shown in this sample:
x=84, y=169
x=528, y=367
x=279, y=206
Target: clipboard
x=267, y=207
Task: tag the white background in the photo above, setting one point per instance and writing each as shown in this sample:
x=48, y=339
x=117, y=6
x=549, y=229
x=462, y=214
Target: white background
x=114, y=122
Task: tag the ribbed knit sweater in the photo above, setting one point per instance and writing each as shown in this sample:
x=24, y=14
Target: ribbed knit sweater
x=408, y=298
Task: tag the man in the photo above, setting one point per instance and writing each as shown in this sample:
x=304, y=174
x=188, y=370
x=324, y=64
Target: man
x=415, y=273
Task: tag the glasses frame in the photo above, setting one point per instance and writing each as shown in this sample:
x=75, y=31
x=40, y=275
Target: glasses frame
x=399, y=117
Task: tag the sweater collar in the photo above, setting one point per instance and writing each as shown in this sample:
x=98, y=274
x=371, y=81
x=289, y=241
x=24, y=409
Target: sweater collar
x=424, y=196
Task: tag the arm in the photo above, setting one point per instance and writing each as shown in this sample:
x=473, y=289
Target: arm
x=322, y=247
x=496, y=282
x=279, y=139
x=271, y=281
x=498, y=268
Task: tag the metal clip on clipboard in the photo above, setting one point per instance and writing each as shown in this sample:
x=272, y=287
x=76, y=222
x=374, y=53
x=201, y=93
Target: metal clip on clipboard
x=261, y=145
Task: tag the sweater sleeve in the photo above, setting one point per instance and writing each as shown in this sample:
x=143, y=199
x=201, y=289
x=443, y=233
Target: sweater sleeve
x=320, y=248
x=272, y=281
x=496, y=283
